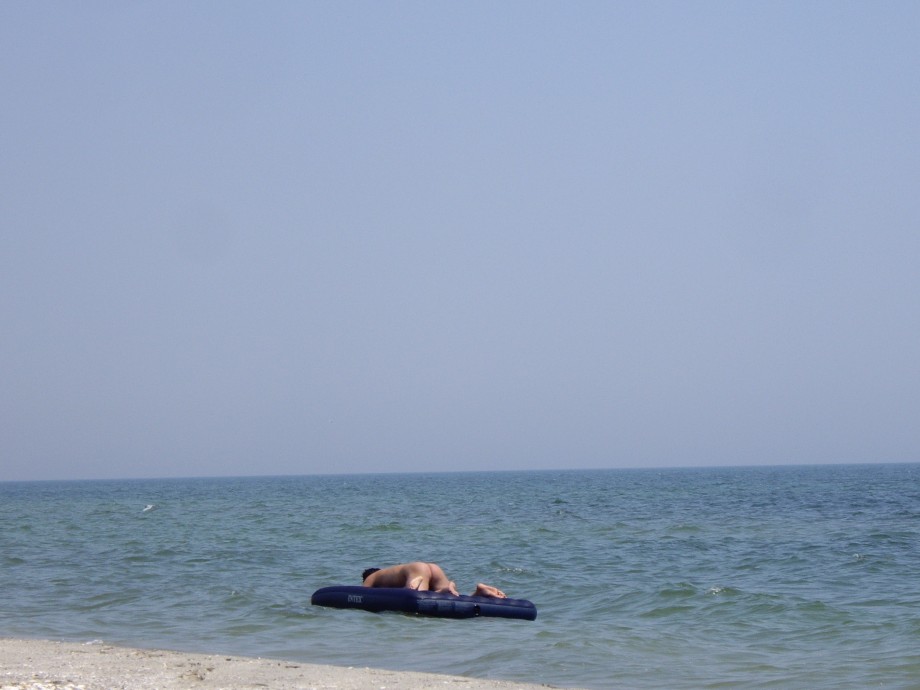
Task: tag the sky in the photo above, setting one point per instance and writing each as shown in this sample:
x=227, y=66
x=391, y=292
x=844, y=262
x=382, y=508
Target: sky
x=244, y=238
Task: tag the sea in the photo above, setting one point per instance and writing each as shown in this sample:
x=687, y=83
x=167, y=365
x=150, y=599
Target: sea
x=754, y=577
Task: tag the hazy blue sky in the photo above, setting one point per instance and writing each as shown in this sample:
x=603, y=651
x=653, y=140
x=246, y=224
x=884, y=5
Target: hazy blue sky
x=294, y=237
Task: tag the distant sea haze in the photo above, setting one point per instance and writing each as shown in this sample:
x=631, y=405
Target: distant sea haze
x=686, y=578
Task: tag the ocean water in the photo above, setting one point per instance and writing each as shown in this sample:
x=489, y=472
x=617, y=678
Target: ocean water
x=787, y=577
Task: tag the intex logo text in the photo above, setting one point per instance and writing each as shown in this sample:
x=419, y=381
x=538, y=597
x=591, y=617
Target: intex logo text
x=355, y=598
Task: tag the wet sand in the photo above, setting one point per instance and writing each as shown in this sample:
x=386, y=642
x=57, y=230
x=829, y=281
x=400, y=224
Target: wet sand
x=44, y=665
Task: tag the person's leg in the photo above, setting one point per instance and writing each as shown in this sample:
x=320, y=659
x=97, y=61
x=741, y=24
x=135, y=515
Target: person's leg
x=439, y=582
x=488, y=591
x=418, y=575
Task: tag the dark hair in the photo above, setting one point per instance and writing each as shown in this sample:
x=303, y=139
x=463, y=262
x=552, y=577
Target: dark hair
x=367, y=573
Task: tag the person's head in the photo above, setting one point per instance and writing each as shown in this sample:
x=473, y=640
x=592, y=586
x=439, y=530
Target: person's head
x=367, y=573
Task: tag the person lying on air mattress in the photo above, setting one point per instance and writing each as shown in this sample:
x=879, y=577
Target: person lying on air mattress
x=421, y=576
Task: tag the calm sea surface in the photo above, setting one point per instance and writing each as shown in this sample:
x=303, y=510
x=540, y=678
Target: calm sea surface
x=795, y=577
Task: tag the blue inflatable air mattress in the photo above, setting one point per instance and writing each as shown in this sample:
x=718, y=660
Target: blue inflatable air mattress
x=425, y=603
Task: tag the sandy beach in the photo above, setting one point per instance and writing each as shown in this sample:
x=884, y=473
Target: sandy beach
x=45, y=665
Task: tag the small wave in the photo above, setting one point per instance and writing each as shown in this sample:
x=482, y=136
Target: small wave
x=679, y=590
x=665, y=611
x=517, y=570
x=167, y=552
x=378, y=527
x=107, y=600
x=566, y=513
x=685, y=529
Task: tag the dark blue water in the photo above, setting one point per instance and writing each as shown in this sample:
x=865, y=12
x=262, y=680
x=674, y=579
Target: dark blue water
x=695, y=578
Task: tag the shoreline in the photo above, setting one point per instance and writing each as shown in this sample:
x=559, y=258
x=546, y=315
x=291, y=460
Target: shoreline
x=44, y=664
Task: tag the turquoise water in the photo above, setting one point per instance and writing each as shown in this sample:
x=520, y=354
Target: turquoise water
x=805, y=577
